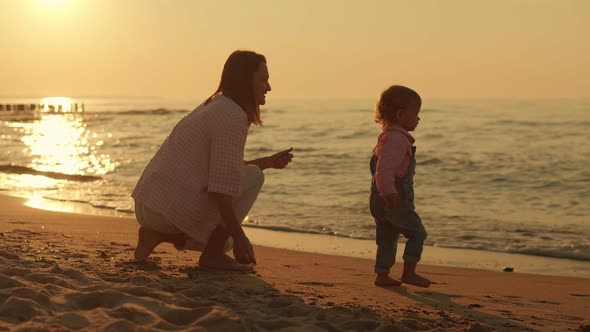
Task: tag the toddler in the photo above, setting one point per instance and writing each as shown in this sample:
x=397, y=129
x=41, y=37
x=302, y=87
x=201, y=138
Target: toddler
x=392, y=193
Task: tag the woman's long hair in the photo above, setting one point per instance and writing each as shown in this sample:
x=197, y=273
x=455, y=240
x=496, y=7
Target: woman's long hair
x=236, y=82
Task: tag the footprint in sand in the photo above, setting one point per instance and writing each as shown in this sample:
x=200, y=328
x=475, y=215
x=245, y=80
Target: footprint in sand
x=134, y=313
x=504, y=312
x=123, y=325
x=96, y=299
x=120, y=244
x=73, y=321
x=8, y=255
x=17, y=310
x=414, y=325
x=49, y=278
x=7, y=282
x=274, y=324
x=314, y=283
x=511, y=296
x=181, y=316
x=38, y=295
x=361, y=325
x=25, y=232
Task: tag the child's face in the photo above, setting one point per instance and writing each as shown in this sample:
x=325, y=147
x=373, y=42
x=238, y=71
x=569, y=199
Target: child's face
x=408, y=118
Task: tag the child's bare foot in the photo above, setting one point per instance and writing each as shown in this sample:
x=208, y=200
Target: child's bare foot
x=383, y=280
x=416, y=280
x=222, y=262
x=147, y=241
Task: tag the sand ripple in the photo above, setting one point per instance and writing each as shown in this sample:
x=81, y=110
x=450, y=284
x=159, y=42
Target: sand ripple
x=58, y=287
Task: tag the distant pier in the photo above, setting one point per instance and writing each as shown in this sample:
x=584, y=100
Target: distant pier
x=44, y=108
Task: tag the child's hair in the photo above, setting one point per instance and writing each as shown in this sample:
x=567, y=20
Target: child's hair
x=392, y=100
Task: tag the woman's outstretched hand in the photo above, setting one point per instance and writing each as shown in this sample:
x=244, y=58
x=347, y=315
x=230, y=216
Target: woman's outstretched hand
x=281, y=159
x=278, y=160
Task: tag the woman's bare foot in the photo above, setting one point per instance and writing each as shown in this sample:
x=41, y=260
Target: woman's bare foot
x=416, y=280
x=147, y=241
x=222, y=262
x=383, y=280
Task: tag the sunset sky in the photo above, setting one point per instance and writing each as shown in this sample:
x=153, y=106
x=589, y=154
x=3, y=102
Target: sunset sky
x=315, y=49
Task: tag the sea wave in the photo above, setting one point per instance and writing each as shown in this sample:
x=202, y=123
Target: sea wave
x=522, y=124
x=303, y=231
x=580, y=254
x=94, y=205
x=16, y=169
x=155, y=111
x=542, y=252
x=431, y=161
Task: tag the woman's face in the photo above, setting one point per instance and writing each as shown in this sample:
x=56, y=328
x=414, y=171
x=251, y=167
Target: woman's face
x=260, y=84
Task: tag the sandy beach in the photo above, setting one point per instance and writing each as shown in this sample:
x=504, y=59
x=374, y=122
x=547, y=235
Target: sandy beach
x=65, y=271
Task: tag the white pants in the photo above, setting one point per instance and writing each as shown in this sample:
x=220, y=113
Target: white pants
x=251, y=183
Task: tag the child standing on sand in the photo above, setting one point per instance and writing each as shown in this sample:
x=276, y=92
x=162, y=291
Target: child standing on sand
x=392, y=192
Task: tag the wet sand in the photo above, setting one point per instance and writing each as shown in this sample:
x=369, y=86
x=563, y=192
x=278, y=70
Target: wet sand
x=63, y=271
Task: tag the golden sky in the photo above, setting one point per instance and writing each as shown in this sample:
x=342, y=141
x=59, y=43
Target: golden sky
x=314, y=48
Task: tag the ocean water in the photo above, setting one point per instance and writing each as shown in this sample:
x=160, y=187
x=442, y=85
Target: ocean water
x=497, y=175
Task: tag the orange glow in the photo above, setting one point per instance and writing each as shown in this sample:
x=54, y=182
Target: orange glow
x=53, y=3
x=456, y=49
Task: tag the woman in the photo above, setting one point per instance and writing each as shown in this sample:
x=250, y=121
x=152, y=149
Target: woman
x=197, y=188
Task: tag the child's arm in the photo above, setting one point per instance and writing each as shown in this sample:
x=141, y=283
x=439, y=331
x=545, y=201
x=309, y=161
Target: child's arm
x=392, y=200
x=391, y=151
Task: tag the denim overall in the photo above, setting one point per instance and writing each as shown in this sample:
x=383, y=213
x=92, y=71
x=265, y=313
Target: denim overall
x=393, y=222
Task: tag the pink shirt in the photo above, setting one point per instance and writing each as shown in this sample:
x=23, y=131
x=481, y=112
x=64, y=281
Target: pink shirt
x=394, y=150
x=203, y=153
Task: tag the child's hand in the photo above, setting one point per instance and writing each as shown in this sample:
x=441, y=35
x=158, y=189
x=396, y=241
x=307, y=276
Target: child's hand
x=392, y=200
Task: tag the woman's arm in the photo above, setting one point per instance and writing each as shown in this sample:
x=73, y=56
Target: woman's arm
x=277, y=160
x=243, y=250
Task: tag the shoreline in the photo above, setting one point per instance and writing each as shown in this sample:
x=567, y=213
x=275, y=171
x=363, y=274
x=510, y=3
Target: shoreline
x=63, y=271
x=358, y=248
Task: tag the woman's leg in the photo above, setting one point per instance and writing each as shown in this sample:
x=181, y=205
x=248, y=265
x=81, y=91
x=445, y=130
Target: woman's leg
x=148, y=240
x=252, y=181
x=214, y=257
x=219, y=242
x=155, y=229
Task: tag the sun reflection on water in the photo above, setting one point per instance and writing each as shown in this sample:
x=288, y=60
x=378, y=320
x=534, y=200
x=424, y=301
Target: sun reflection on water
x=62, y=143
